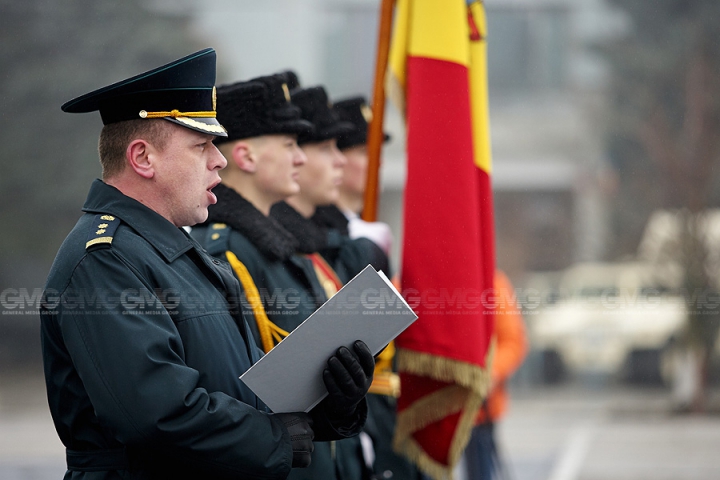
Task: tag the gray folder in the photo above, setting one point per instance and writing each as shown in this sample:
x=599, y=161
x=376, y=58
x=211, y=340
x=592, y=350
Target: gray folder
x=367, y=308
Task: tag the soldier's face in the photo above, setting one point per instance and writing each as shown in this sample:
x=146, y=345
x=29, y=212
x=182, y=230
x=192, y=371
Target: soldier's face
x=186, y=171
x=355, y=170
x=322, y=175
x=279, y=162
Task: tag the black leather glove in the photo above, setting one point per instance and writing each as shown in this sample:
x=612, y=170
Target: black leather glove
x=348, y=378
x=299, y=425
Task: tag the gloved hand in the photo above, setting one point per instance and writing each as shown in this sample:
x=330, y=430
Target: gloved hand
x=299, y=425
x=348, y=378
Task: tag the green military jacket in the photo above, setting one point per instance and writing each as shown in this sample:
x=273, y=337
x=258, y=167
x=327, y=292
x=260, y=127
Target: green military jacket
x=285, y=280
x=382, y=417
x=288, y=288
x=326, y=233
x=143, y=343
x=348, y=254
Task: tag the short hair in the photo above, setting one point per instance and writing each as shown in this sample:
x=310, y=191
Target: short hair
x=226, y=149
x=115, y=137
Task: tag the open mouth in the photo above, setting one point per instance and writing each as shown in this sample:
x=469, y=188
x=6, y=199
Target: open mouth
x=213, y=197
x=215, y=184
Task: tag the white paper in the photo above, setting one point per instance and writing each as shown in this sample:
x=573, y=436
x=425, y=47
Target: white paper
x=367, y=308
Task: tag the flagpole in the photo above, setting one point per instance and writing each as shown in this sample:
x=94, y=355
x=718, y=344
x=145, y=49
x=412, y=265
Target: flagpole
x=375, y=129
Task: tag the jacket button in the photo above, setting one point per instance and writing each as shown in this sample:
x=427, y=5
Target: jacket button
x=216, y=262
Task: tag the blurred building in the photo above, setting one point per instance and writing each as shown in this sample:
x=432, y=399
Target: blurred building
x=546, y=98
x=546, y=89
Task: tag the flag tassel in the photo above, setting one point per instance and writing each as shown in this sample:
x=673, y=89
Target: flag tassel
x=466, y=394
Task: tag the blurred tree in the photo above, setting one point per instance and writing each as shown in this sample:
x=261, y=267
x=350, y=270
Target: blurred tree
x=664, y=142
x=51, y=52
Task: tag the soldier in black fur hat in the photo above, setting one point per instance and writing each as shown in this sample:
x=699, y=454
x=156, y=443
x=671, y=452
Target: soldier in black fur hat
x=341, y=258
x=264, y=161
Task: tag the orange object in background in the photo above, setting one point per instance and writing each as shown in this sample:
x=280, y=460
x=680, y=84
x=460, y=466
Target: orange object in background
x=511, y=348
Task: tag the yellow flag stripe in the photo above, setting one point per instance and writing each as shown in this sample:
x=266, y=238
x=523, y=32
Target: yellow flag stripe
x=425, y=28
x=440, y=30
x=397, y=58
x=479, y=92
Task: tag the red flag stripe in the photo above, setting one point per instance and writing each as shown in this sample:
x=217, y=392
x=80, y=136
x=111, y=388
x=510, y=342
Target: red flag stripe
x=442, y=264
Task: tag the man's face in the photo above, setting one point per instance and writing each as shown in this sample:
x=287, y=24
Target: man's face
x=355, y=170
x=185, y=172
x=322, y=175
x=279, y=162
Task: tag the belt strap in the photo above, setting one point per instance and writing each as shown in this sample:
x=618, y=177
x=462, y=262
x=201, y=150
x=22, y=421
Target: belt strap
x=97, y=460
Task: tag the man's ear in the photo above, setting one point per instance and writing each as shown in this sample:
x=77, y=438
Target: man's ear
x=138, y=154
x=243, y=157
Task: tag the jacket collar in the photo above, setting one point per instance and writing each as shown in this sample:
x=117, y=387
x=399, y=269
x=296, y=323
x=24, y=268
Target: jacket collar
x=311, y=237
x=331, y=218
x=264, y=232
x=167, y=239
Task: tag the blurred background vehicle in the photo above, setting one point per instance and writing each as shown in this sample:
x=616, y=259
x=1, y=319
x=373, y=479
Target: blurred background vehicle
x=630, y=320
x=607, y=318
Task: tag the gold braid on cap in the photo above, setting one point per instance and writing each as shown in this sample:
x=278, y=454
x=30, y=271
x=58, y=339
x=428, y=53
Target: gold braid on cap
x=176, y=114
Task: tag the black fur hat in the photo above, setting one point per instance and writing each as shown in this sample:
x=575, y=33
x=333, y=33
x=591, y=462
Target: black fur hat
x=260, y=106
x=293, y=81
x=316, y=108
x=356, y=111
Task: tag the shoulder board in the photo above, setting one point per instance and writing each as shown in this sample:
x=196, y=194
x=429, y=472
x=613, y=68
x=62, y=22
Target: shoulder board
x=217, y=239
x=102, y=230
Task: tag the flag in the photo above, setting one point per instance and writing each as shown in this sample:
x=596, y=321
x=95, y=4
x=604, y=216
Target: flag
x=437, y=75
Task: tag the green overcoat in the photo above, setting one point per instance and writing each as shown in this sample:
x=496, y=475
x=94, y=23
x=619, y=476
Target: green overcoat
x=143, y=343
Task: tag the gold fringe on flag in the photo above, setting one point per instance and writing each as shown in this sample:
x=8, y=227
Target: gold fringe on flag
x=469, y=388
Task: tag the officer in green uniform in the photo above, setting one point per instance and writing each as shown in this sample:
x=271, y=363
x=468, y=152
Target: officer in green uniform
x=142, y=334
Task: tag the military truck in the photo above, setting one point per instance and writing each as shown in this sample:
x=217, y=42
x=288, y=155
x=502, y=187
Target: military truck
x=606, y=318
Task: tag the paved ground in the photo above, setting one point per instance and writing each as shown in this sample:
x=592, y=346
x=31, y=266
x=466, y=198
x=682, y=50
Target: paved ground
x=29, y=446
x=572, y=432
x=605, y=432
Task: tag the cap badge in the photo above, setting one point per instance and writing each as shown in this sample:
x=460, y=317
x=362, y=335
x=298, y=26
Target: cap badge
x=366, y=112
x=286, y=91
